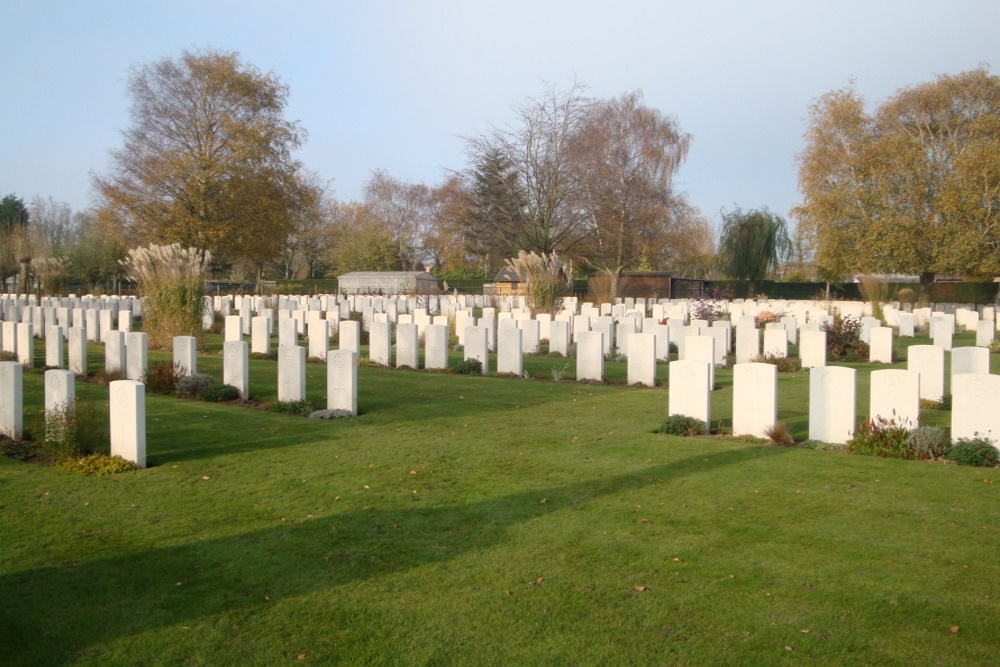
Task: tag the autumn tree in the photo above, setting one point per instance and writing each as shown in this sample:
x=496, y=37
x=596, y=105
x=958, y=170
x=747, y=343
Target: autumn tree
x=753, y=244
x=534, y=156
x=625, y=155
x=359, y=241
x=913, y=187
x=405, y=211
x=495, y=216
x=207, y=160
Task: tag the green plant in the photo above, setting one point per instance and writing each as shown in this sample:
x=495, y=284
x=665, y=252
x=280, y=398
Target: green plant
x=467, y=367
x=96, y=464
x=190, y=386
x=105, y=376
x=784, y=364
x=69, y=430
x=883, y=437
x=171, y=282
x=302, y=408
x=929, y=442
x=264, y=356
x=875, y=292
x=21, y=450
x=7, y=355
x=843, y=339
x=682, y=425
x=931, y=404
x=559, y=373
x=974, y=452
x=995, y=346
x=161, y=378
x=219, y=393
x=330, y=414
x=779, y=434
x=543, y=274
x=906, y=295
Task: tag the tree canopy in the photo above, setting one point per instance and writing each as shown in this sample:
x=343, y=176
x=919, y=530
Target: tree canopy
x=13, y=213
x=753, y=244
x=207, y=160
x=913, y=187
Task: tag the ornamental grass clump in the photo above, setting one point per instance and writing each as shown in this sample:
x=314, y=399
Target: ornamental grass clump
x=544, y=277
x=171, y=283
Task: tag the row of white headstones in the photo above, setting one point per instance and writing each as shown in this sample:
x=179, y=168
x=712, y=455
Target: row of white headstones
x=832, y=412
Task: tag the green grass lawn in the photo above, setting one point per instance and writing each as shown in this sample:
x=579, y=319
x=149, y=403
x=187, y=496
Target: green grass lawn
x=481, y=520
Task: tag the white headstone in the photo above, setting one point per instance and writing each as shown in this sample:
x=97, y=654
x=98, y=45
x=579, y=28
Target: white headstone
x=510, y=350
x=928, y=360
x=342, y=381
x=702, y=348
x=747, y=343
x=776, y=342
x=76, y=346
x=114, y=352
x=186, y=355
x=755, y=398
x=60, y=402
x=235, y=366
x=477, y=346
x=812, y=348
x=260, y=335
x=407, y=345
x=689, y=389
x=128, y=421
x=11, y=399
x=25, y=345
x=895, y=395
x=136, y=355
x=436, y=346
x=974, y=412
x=319, y=338
x=642, y=359
x=559, y=337
x=970, y=360
x=380, y=342
x=349, y=337
x=234, y=328
x=590, y=356
x=880, y=345
x=832, y=409
x=985, y=332
x=291, y=373
x=54, y=346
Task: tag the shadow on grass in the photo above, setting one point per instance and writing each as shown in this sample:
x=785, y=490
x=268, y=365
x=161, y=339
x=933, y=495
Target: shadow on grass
x=51, y=614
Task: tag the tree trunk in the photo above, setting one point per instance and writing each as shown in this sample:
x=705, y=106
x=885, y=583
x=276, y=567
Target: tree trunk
x=926, y=284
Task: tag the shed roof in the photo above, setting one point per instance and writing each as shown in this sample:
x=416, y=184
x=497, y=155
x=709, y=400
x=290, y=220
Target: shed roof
x=388, y=274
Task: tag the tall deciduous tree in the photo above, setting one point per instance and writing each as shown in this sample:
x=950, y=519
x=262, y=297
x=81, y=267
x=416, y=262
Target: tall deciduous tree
x=913, y=187
x=625, y=157
x=753, y=244
x=538, y=152
x=207, y=161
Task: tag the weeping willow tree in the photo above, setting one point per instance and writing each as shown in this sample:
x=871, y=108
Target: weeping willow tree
x=754, y=243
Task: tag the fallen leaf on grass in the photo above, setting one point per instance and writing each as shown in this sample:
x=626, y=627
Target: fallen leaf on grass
x=677, y=560
x=537, y=581
x=639, y=588
x=643, y=520
x=805, y=631
x=543, y=501
x=205, y=477
x=414, y=472
x=302, y=656
x=954, y=629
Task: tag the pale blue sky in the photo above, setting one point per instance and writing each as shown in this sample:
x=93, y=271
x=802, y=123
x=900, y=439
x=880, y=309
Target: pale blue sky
x=394, y=85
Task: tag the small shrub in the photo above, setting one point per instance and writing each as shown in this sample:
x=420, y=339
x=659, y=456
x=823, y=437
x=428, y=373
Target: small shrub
x=974, y=452
x=21, y=450
x=190, y=386
x=7, y=355
x=366, y=362
x=995, y=346
x=843, y=340
x=906, y=295
x=301, y=408
x=105, y=376
x=68, y=430
x=682, y=425
x=559, y=373
x=219, y=393
x=765, y=317
x=929, y=442
x=784, y=364
x=330, y=414
x=97, y=464
x=779, y=434
x=931, y=404
x=467, y=367
x=883, y=437
x=264, y=356
x=161, y=378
